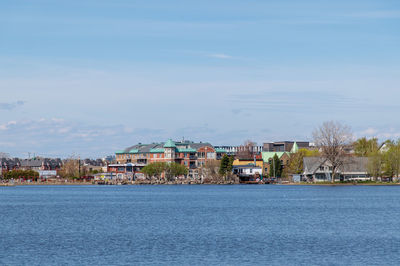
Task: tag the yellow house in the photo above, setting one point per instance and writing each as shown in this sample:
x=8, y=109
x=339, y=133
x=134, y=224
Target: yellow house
x=259, y=163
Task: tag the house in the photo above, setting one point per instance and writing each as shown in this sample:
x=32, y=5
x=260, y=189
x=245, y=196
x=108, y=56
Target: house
x=249, y=172
x=319, y=169
x=40, y=164
x=268, y=160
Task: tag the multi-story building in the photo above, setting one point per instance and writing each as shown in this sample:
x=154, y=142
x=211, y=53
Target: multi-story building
x=234, y=150
x=192, y=155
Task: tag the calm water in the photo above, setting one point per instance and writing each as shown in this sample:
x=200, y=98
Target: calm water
x=137, y=225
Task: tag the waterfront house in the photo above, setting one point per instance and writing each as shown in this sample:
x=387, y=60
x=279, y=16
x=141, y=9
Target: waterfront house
x=319, y=169
x=249, y=172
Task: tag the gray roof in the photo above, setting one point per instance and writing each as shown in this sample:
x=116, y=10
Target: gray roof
x=31, y=162
x=36, y=162
x=352, y=164
x=311, y=164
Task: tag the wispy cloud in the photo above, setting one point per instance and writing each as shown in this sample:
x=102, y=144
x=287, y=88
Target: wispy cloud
x=382, y=134
x=294, y=101
x=383, y=14
x=220, y=56
x=10, y=105
x=59, y=137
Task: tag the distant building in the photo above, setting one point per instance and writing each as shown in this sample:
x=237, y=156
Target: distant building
x=284, y=146
x=191, y=154
x=233, y=150
x=46, y=167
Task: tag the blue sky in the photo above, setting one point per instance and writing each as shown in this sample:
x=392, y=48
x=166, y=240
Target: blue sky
x=90, y=77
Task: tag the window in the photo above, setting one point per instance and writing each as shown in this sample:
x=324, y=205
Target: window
x=210, y=155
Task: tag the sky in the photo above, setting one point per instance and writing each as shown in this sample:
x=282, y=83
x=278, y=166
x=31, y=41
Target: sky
x=89, y=77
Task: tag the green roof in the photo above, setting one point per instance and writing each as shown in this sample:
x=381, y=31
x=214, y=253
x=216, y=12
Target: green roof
x=169, y=144
x=157, y=150
x=186, y=150
x=266, y=155
x=134, y=151
x=219, y=150
x=119, y=152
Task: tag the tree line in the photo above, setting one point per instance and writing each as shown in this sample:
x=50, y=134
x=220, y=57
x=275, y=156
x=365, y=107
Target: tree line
x=17, y=174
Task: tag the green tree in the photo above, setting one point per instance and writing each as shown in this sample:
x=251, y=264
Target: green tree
x=155, y=169
x=223, y=169
x=175, y=169
x=364, y=147
x=374, y=166
x=275, y=169
x=26, y=174
x=295, y=165
x=230, y=164
x=392, y=160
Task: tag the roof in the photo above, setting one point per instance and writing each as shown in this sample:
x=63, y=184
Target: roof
x=157, y=150
x=219, y=150
x=252, y=166
x=169, y=144
x=311, y=164
x=186, y=150
x=266, y=155
x=31, y=163
x=351, y=165
x=200, y=145
x=183, y=146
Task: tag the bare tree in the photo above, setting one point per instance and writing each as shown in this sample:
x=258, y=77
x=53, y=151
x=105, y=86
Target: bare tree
x=246, y=151
x=332, y=138
x=72, y=167
x=210, y=172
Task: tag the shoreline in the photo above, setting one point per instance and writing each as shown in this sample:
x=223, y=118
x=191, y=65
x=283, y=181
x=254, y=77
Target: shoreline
x=182, y=183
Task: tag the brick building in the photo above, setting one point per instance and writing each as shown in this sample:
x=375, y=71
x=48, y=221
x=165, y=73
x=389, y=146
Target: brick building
x=192, y=155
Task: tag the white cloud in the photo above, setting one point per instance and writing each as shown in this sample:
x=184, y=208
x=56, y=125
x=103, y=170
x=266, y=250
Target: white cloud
x=369, y=131
x=382, y=134
x=7, y=125
x=57, y=137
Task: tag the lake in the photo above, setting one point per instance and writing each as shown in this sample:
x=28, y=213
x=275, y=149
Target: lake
x=200, y=225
